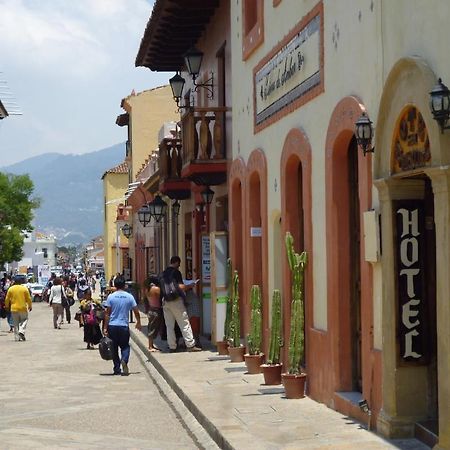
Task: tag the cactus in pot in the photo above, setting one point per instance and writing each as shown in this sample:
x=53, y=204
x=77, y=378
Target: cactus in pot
x=275, y=342
x=235, y=323
x=254, y=338
x=297, y=263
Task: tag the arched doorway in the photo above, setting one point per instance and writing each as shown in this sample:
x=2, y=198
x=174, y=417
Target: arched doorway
x=349, y=276
x=256, y=235
x=237, y=228
x=295, y=181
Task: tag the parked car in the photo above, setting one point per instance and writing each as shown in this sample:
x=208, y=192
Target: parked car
x=36, y=291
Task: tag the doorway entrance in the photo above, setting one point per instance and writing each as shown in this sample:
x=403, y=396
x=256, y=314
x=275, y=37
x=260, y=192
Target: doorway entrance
x=428, y=430
x=354, y=230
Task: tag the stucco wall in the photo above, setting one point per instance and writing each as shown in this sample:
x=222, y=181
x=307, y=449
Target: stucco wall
x=148, y=110
x=114, y=187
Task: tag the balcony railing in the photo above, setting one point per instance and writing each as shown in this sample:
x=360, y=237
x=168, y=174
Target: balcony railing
x=170, y=159
x=203, y=134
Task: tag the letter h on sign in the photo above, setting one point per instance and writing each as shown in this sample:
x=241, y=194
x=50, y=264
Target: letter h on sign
x=410, y=280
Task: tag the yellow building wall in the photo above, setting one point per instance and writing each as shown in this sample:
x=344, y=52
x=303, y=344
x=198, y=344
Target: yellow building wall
x=148, y=111
x=114, y=187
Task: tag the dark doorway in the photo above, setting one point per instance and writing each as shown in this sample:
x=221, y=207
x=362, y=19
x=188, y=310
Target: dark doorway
x=355, y=265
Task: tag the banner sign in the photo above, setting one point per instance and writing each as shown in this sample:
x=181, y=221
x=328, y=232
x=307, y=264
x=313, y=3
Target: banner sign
x=410, y=243
x=291, y=72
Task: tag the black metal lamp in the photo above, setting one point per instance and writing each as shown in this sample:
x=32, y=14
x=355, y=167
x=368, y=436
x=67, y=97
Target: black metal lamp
x=158, y=208
x=193, y=60
x=364, y=133
x=440, y=104
x=207, y=195
x=177, y=85
x=144, y=215
x=127, y=230
x=176, y=208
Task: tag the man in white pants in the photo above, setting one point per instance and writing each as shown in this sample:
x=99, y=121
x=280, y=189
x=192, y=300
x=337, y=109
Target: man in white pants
x=18, y=301
x=174, y=310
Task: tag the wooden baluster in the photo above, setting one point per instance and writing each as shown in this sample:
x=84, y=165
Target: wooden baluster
x=218, y=136
x=179, y=158
x=173, y=160
x=196, y=143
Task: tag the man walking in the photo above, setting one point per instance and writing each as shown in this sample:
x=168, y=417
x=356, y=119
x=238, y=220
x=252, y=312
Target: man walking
x=174, y=309
x=18, y=301
x=118, y=307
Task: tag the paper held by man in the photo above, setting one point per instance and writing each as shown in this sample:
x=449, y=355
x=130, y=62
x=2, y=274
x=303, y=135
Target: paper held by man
x=191, y=282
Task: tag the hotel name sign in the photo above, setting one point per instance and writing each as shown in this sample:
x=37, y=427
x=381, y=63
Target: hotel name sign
x=291, y=72
x=410, y=218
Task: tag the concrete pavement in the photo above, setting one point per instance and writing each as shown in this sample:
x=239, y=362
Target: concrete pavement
x=56, y=394
x=239, y=412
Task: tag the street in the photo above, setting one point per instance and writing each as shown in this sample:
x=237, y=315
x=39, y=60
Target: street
x=57, y=394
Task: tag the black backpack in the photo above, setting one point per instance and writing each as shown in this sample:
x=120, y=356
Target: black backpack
x=170, y=290
x=105, y=347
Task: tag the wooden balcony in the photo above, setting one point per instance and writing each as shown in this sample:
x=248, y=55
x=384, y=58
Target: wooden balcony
x=171, y=182
x=204, y=159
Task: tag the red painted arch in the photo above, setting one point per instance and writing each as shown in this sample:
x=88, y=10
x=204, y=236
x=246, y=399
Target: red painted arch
x=295, y=173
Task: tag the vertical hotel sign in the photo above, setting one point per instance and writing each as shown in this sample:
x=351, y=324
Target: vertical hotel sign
x=411, y=281
x=291, y=70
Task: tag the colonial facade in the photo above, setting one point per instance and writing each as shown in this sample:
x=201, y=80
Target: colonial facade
x=376, y=283
x=115, y=183
x=267, y=125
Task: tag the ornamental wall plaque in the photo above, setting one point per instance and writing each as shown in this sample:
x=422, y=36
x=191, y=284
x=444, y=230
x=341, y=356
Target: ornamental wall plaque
x=411, y=146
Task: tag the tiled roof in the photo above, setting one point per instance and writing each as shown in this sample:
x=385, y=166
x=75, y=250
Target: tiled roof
x=120, y=168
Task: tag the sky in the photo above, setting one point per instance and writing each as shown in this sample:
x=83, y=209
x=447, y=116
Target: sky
x=68, y=64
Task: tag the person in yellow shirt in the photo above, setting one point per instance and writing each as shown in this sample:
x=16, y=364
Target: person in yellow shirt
x=18, y=301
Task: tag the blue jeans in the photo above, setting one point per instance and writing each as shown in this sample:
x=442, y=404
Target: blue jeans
x=121, y=338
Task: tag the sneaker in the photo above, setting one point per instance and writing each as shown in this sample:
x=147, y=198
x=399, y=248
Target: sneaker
x=125, y=370
x=194, y=349
x=21, y=337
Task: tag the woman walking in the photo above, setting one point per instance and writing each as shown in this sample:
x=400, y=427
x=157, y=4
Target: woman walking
x=89, y=320
x=56, y=302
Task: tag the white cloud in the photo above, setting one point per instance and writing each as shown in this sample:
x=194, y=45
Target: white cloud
x=69, y=63
x=76, y=38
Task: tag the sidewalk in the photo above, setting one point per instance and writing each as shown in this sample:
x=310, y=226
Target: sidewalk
x=239, y=412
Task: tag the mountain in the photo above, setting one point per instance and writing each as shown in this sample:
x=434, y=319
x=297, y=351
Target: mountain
x=71, y=191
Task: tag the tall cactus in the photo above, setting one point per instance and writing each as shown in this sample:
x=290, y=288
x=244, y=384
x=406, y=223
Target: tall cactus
x=297, y=263
x=254, y=338
x=275, y=342
x=235, y=325
x=227, y=332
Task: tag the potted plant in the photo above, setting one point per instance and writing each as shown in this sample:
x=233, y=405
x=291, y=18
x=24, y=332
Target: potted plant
x=254, y=357
x=294, y=380
x=222, y=346
x=272, y=369
x=235, y=349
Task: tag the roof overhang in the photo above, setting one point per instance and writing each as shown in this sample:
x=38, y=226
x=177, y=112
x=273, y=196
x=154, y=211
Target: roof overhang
x=123, y=119
x=3, y=112
x=173, y=27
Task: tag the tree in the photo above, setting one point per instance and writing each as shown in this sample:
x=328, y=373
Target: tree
x=16, y=214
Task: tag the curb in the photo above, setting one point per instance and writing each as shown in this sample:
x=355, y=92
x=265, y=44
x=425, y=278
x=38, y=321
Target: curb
x=207, y=425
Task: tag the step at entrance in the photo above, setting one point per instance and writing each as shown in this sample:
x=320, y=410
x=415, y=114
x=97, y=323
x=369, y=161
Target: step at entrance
x=427, y=431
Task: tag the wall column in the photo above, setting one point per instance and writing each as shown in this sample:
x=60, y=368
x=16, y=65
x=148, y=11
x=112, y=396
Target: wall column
x=440, y=178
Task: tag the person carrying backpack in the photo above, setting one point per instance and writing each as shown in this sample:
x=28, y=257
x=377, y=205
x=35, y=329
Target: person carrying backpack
x=173, y=296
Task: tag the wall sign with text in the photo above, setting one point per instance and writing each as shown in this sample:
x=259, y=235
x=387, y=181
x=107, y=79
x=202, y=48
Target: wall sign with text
x=411, y=293
x=290, y=71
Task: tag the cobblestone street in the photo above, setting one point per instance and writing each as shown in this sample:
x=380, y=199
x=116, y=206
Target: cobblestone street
x=57, y=394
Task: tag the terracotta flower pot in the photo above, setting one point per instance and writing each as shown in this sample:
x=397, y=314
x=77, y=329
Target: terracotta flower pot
x=222, y=347
x=294, y=385
x=236, y=353
x=253, y=363
x=272, y=373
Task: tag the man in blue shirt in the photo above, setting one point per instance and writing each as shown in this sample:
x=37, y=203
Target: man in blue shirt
x=118, y=307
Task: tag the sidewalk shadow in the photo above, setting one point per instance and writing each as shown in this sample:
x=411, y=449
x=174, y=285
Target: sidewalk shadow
x=217, y=358
x=271, y=391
